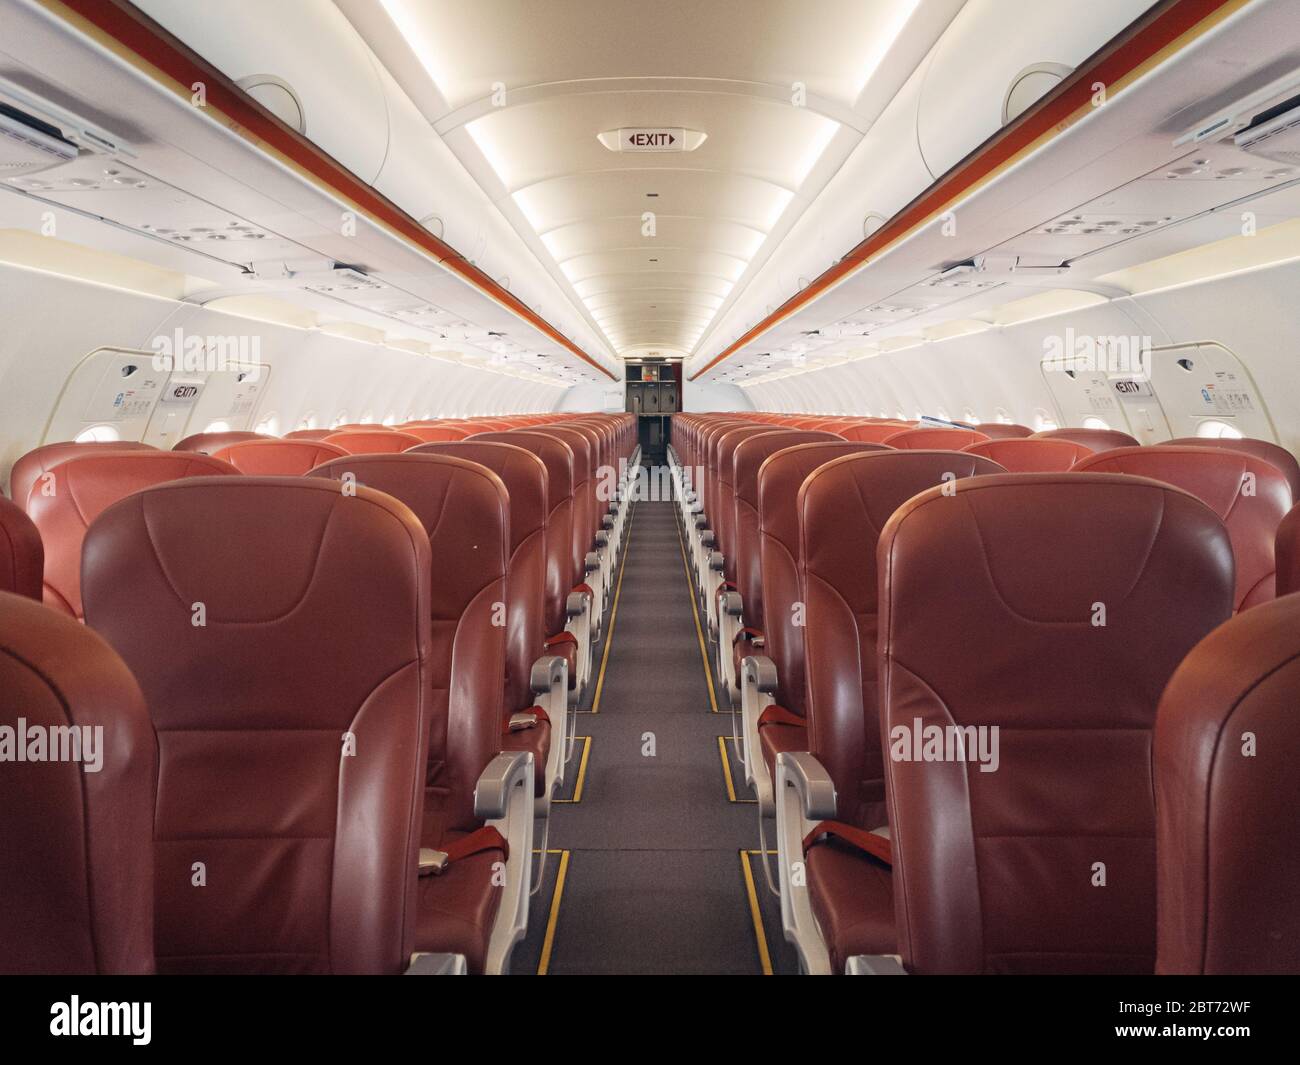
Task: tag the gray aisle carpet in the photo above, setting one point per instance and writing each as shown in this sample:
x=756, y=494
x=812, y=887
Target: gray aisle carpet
x=653, y=881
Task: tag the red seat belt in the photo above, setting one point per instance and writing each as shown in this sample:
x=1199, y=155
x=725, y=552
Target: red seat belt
x=487, y=838
x=779, y=715
x=870, y=843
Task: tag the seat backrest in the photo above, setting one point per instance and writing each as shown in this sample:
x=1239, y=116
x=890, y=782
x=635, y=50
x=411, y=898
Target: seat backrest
x=465, y=511
x=928, y=439
x=1250, y=495
x=525, y=478
x=1021, y=455
x=749, y=456
x=779, y=480
x=558, y=459
x=580, y=526
x=1003, y=430
x=309, y=434
x=22, y=555
x=290, y=705
x=1261, y=449
x=1093, y=439
x=1053, y=607
x=842, y=507
x=868, y=432
x=278, y=458
x=1228, y=841
x=28, y=469
x=211, y=443
x=77, y=491
x=372, y=441
x=76, y=834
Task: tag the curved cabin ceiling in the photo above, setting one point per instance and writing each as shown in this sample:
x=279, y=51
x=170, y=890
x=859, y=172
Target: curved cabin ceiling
x=651, y=245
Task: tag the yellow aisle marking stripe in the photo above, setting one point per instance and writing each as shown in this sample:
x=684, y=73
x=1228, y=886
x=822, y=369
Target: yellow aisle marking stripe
x=613, y=616
x=760, y=936
x=582, y=772
x=695, y=616
x=726, y=771
x=544, y=963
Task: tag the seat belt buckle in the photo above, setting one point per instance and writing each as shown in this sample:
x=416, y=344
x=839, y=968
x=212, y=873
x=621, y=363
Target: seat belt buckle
x=432, y=862
x=522, y=720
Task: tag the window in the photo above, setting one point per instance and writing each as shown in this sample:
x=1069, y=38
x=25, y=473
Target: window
x=1003, y=417
x=307, y=421
x=270, y=425
x=217, y=427
x=971, y=417
x=1044, y=421
x=1215, y=430
x=339, y=419
x=390, y=419
x=943, y=414
x=1093, y=422
x=98, y=434
x=368, y=418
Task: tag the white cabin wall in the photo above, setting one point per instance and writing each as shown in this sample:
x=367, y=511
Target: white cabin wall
x=312, y=372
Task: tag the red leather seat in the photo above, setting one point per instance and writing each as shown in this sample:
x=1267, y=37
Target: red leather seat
x=1228, y=841
x=211, y=443
x=291, y=739
x=431, y=433
x=85, y=486
x=843, y=506
x=278, y=458
x=558, y=458
x=990, y=601
x=779, y=481
x=464, y=510
x=725, y=524
x=372, y=441
x=1261, y=449
x=362, y=427
x=22, y=555
x=1003, y=430
x=30, y=468
x=1250, y=495
x=1094, y=439
x=76, y=847
x=927, y=439
x=525, y=478
x=749, y=456
x=1019, y=455
x=584, y=498
x=309, y=434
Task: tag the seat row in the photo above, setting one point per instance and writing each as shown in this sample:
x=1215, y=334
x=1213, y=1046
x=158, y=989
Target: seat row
x=947, y=678
x=331, y=705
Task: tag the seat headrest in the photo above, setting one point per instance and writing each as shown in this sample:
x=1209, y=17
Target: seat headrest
x=1228, y=843
x=211, y=443
x=28, y=469
x=1021, y=455
x=76, y=832
x=554, y=452
x=1250, y=495
x=753, y=451
x=372, y=441
x=69, y=497
x=926, y=439
x=1261, y=449
x=278, y=458
x=1093, y=439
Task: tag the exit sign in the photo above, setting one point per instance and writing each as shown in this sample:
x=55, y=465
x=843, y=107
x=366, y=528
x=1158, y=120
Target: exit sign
x=652, y=140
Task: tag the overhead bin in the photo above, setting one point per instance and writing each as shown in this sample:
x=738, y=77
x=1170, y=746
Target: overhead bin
x=996, y=59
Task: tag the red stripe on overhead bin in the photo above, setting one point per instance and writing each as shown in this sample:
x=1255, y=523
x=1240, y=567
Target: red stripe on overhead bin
x=1137, y=46
x=117, y=22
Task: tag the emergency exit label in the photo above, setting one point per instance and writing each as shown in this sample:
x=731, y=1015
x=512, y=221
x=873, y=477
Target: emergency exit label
x=652, y=139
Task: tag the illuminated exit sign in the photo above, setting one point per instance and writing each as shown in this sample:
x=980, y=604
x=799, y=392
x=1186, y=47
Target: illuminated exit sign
x=652, y=139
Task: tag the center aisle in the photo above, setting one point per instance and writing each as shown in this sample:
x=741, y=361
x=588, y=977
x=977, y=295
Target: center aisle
x=654, y=882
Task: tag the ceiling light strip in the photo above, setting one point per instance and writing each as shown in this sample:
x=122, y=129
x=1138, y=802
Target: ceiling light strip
x=1160, y=33
x=131, y=34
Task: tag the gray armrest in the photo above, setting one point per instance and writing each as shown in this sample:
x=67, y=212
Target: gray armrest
x=492, y=792
x=874, y=965
x=715, y=561
x=761, y=672
x=547, y=671
x=591, y=562
x=812, y=784
x=575, y=604
x=708, y=538
x=602, y=538
x=437, y=965
x=732, y=605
